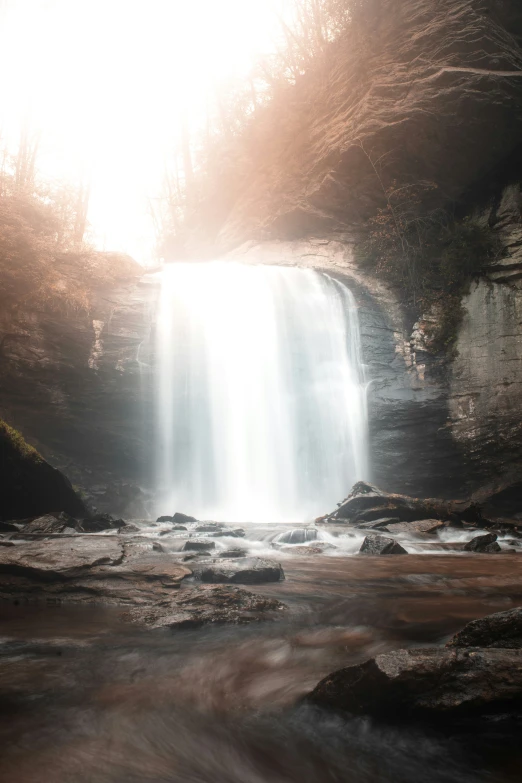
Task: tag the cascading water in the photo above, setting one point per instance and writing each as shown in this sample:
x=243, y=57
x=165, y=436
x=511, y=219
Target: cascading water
x=261, y=412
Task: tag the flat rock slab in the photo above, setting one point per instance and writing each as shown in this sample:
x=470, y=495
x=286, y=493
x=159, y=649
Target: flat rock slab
x=436, y=681
x=208, y=604
x=418, y=526
x=500, y=630
x=63, y=557
x=246, y=571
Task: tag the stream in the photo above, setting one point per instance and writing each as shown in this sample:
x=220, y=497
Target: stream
x=88, y=698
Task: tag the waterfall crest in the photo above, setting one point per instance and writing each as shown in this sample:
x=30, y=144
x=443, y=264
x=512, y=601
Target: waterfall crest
x=261, y=412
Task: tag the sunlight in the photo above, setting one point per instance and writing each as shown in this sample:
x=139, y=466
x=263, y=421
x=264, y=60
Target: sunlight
x=105, y=83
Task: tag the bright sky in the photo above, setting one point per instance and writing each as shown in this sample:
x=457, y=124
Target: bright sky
x=104, y=81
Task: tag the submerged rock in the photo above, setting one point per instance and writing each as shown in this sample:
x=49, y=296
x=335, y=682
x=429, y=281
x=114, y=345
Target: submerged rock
x=249, y=571
x=486, y=544
x=380, y=545
x=500, y=630
x=232, y=553
x=208, y=604
x=237, y=532
x=436, y=681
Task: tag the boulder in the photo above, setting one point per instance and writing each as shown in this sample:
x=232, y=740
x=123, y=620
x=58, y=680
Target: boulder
x=380, y=545
x=428, y=681
x=208, y=605
x=199, y=546
x=209, y=527
x=500, y=630
x=246, y=571
x=164, y=519
x=486, y=544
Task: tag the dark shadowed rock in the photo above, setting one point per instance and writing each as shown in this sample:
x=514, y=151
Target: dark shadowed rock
x=436, y=681
x=164, y=519
x=232, y=553
x=100, y=522
x=486, y=544
x=199, y=546
x=380, y=545
x=29, y=486
x=8, y=527
x=208, y=604
x=248, y=571
x=501, y=630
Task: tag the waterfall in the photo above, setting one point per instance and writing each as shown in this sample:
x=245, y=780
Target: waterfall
x=261, y=412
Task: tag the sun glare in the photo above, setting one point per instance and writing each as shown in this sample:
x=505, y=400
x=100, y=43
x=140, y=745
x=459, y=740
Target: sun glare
x=105, y=83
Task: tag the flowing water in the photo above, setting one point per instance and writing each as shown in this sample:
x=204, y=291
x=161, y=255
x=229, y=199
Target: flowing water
x=261, y=412
x=85, y=698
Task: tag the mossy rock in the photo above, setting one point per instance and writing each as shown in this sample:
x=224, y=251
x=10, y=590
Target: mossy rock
x=29, y=486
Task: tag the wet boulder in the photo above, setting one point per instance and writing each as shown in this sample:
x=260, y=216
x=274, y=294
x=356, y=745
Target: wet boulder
x=500, y=630
x=233, y=553
x=436, y=681
x=200, y=545
x=246, y=571
x=380, y=545
x=486, y=544
x=164, y=519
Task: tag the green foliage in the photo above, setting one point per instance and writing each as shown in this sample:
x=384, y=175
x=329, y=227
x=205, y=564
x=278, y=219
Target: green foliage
x=428, y=255
x=13, y=445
